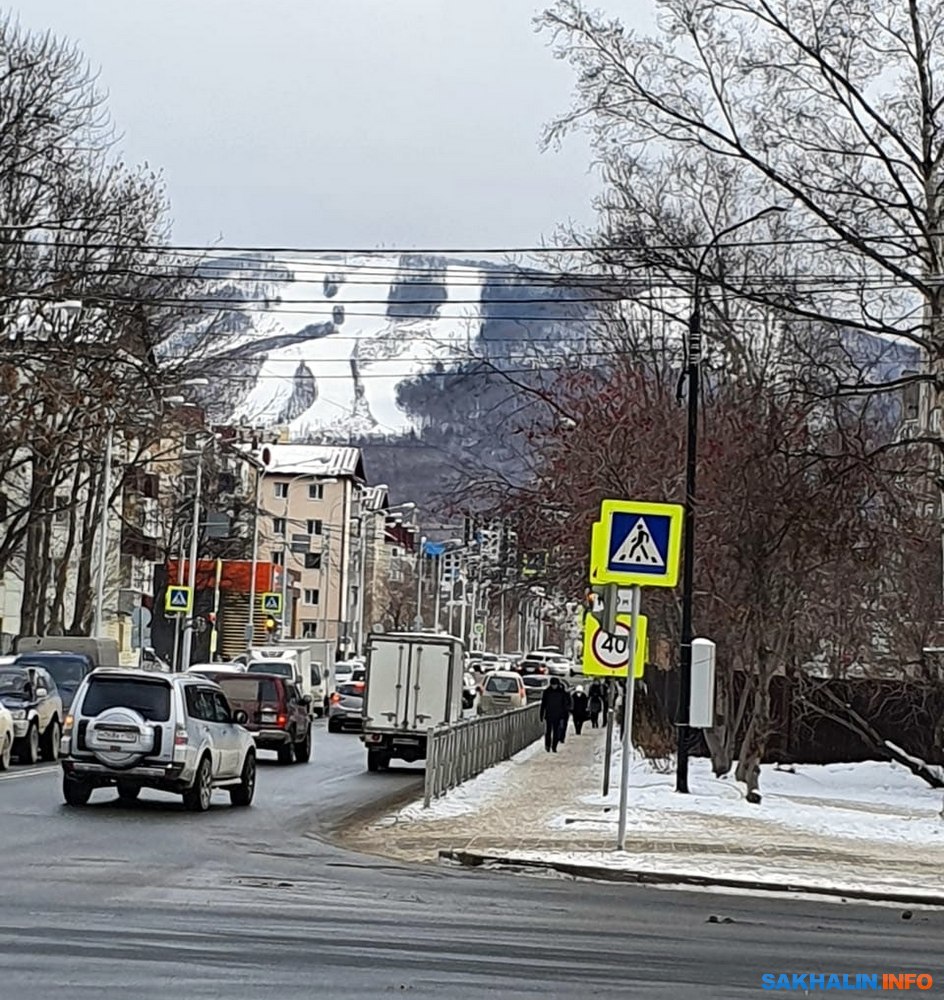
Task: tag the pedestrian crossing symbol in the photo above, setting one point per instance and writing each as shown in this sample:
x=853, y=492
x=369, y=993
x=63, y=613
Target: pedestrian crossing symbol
x=178, y=600
x=272, y=603
x=636, y=544
x=638, y=549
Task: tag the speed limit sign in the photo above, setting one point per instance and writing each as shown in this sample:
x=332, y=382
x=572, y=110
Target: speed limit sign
x=606, y=654
x=612, y=648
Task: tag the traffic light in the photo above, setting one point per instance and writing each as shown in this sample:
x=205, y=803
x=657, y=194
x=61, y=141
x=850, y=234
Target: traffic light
x=271, y=624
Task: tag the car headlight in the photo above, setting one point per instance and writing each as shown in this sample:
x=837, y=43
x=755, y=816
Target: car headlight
x=18, y=713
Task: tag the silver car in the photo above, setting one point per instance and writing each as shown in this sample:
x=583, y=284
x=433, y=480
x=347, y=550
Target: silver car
x=134, y=729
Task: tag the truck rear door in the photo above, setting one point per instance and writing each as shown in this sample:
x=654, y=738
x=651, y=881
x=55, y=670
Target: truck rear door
x=429, y=685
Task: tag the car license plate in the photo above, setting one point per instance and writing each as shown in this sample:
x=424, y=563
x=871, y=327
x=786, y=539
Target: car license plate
x=406, y=742
x=269, y=717
x=114, y=736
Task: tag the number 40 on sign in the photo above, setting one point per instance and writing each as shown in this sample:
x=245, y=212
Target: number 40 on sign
x=606, y=654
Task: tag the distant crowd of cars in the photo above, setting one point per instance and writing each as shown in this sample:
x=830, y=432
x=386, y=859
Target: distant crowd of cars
x=513, y=680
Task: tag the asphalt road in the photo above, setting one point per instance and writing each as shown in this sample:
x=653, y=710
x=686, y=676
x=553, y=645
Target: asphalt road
x=147, y=901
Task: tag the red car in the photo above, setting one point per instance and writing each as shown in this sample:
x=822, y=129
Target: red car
x=279, y=715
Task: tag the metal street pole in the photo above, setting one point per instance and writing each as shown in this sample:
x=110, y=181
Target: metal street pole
x=439, y=585
x=628, y=720
x=693, y=378
x=186, y=649
x=418, y=621
x=251, y=624
x=501, y=620
x=98, y=623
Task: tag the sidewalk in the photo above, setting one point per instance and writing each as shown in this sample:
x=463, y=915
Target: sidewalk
x=865, y=829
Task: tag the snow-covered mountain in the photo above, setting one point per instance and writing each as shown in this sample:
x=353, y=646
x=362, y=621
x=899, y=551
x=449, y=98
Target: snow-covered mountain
x=335, y=340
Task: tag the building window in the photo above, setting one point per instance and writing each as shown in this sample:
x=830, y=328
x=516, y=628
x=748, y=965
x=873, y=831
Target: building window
x=278, y=526
x=278, y=558
x=316, y=491
x=312, y=560
x=314, y=527
x=281, y=491
x=311, y=597
x=309, y=630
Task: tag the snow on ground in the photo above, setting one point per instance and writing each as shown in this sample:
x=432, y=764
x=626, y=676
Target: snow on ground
x=869, y=801
x=357, y=352
x=776, y=871
x=469, y=797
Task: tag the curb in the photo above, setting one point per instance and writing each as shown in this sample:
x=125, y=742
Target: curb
x=471, y=859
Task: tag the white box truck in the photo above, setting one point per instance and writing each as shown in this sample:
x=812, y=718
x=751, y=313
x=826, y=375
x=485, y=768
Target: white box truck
x=320, y=668
x=288, y=661
x=414, y=682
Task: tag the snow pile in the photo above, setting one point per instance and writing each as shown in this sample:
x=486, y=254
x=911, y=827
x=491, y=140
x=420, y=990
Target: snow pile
x=867, y=801
x=469, y=797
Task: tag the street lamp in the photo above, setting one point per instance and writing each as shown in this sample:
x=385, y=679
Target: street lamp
x=693, y=378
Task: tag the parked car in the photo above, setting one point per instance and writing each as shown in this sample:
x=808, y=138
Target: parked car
x=343, y=671
x=134, y=729
x=215, y=669
x=501, y=691
x=277, y=713
x=470, y=688
x=66, y=669
x=534, y=686
x=6, y=737
x=346, y=708
x=31, y=696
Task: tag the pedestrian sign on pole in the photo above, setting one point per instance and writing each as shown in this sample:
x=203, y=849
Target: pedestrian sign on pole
x=636, y=544
x=606, y=654
x=272, y=603
x=178, y=600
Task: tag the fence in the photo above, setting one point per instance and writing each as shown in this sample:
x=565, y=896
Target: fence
x=461, y=750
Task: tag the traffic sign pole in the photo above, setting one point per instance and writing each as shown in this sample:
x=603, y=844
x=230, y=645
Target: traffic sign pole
x=627, y=734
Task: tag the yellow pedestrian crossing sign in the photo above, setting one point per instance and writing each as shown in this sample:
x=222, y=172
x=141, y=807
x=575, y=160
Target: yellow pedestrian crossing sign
x=178, y=600
x=272, y=603
x=636, y=544
x=606, y=654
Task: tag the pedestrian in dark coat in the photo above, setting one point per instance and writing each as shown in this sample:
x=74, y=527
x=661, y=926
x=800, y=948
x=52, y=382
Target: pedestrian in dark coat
x=596, y=703
x=555, y=706
x=581, y=705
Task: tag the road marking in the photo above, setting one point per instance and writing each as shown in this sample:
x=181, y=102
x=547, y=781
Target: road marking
x=29, y=772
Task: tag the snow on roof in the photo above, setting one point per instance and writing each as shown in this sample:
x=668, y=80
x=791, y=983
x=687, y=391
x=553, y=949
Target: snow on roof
x=313, y=460
x=374, y=498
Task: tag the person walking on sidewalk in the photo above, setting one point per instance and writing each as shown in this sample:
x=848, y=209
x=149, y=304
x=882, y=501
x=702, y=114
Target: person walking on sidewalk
x=554, y=708
x=596, y=703
x=581, y=710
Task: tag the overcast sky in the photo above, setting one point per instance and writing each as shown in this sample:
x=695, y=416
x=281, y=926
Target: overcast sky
x=340, y=123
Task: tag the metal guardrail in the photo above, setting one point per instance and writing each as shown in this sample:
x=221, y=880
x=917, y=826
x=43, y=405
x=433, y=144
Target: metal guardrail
x=461, y=750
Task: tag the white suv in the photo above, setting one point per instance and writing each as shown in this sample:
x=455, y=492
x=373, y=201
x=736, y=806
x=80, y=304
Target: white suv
x=134, y=729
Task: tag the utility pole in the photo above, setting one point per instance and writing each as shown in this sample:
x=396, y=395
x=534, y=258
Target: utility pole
x=418, y=620
x=251, y=624
x=98, y=623
x=186, y=649
x=693, y=380
x=439, y=586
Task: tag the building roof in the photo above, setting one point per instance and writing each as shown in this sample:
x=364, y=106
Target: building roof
x=374, y=498
x=313, y=460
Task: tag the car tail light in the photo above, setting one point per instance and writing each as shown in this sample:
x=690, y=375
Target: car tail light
x=281, y=720
x=67, y=725
x=180, y=736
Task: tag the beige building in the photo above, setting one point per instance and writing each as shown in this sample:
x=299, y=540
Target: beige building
x=310, y=509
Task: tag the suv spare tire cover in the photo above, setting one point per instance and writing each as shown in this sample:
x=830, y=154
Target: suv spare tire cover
x=124, y=717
